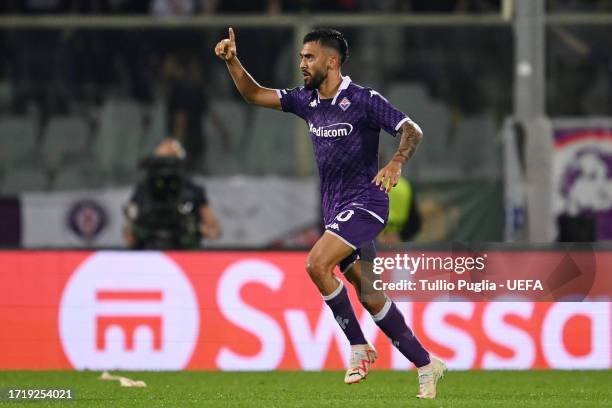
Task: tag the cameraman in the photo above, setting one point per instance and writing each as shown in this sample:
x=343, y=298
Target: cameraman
x=167, y=210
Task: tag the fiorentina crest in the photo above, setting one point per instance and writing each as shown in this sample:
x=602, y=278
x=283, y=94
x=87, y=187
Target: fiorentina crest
x=344, y=104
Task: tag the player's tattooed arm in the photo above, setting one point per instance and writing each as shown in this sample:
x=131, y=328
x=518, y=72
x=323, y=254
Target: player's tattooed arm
x=410, y=137
x=250, y=90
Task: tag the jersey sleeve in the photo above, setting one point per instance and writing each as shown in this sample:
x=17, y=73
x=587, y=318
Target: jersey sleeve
x=292, y=100
x=381, y=113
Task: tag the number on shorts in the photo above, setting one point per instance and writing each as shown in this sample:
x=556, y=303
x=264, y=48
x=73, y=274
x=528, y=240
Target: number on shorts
x=345, y=215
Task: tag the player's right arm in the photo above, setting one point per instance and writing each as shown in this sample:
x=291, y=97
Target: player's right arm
x=250, y=90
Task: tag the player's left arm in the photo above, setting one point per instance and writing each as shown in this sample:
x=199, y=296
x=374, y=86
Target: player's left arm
x=410, y=136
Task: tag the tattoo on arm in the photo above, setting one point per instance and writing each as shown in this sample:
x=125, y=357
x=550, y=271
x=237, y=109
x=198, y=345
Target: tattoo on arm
x=411, y=136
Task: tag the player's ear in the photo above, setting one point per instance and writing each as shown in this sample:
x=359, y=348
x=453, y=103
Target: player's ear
x=332, y=61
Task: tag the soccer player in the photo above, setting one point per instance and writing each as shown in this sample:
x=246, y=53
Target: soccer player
x=344, y=121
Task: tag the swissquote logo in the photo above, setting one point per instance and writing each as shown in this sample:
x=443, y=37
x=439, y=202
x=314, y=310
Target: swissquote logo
x=334, y=130
x=133, y=311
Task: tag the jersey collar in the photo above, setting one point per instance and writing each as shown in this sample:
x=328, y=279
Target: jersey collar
x=346, y=81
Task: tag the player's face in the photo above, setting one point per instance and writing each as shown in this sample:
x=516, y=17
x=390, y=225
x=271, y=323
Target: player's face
x=314, y=61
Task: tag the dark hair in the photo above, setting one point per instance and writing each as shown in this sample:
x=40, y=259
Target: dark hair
x=330, y=38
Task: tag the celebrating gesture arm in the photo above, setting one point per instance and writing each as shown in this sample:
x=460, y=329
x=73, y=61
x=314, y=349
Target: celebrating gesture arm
x=250, y=90
x=411, y=136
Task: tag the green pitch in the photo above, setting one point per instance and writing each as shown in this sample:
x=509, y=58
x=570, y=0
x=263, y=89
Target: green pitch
x=300, y=389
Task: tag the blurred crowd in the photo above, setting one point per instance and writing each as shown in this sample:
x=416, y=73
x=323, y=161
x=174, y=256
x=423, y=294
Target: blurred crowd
x=167, y=8
x=193, y=7
x=51, y=72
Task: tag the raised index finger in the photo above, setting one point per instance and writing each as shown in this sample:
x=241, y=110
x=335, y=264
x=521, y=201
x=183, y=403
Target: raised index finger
x=231, y=35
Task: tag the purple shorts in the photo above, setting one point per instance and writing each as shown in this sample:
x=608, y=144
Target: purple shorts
x=358, y=227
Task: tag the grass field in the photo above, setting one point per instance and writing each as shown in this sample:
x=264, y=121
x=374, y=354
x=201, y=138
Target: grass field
x=313, y=389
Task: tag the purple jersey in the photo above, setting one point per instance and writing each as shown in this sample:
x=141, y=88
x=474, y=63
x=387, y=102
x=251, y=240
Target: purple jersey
x=344, y=133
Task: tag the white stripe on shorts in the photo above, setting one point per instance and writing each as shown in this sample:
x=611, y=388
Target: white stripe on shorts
x=341, y=239
x=373, y=214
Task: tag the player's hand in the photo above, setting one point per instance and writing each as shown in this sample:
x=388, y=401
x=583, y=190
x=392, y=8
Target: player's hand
x=226, y=49
x=209, y=232
x=388, y=176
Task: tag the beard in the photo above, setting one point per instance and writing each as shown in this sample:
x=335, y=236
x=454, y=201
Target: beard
x=315, y=81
